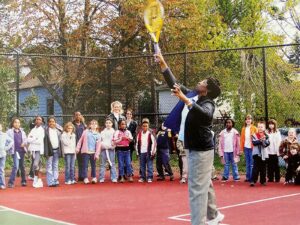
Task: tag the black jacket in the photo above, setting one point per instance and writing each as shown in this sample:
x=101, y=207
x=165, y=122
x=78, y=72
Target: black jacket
x=198, y=134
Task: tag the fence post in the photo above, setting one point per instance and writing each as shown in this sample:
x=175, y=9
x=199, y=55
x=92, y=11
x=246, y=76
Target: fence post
x=265, y=84
x=185, y=70
x=17, y=83
x=109, y=92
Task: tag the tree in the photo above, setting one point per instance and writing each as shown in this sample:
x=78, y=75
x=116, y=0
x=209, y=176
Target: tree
x=7, y=94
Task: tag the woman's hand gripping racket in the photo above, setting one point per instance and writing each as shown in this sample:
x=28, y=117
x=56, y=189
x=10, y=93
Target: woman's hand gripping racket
x=154, y=18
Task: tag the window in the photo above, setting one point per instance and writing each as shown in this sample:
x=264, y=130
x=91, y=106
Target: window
x=50, y=106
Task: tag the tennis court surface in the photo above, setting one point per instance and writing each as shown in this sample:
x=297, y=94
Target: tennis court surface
x=158, y=203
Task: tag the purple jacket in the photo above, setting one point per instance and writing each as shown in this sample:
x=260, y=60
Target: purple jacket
x=236, y=143
x=10, y=133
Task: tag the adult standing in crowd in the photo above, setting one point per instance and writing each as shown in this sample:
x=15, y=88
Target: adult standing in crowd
x=80, y=126
x=198, y=139
x=116, y=113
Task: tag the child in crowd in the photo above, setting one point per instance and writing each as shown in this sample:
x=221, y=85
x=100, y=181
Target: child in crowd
x=229, y=150
x=6, y=142
x=260, y=141
x=88, y=145
x=182, y=158
x=107, y=151
x=285, y=146
x=273, y=170
x=122, y=138
x=52, y=151
x=36, y=147
x=146, y=150
x=246, y=145
x=163, y=154
x=68, y=145
x=17, y=151
x=293, y=165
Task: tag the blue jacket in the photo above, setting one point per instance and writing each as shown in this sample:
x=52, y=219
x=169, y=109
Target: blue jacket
x=174, y=119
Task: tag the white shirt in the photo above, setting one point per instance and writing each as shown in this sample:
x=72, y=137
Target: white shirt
x=106, y=137
x=184, y=113
x=53, y=138
x=228, y=141
x=144, y=142
x=275, y=141
x=247, y=138
x=36, y=139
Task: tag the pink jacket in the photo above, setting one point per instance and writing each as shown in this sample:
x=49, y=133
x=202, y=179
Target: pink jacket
x=82, y=145
x=236, y=143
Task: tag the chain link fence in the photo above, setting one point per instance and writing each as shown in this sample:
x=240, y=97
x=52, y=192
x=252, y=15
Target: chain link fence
x=262, y=81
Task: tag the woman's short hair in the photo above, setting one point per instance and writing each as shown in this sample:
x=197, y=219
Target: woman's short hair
x=116, y=103
x=213, y=87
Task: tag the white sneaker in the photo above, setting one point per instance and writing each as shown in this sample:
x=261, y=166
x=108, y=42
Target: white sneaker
x=86, y=181
x=101, y=181
x=149, y=180
x=114, y=181
x=94, y=180
x=38, y=183
x=68, y=182
x=216, y=220
x=183, y=180
x=73, y=182
x=141, y=180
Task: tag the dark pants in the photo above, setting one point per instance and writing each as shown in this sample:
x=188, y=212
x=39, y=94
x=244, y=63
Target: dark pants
x=80, y=166
x=31, y=172
x=259, y=169
x=18, y=164
x=273, y=168
x=86, y=158
x=163, y=160
x=179, y=162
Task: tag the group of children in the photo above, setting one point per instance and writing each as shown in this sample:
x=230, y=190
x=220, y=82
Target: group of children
x=262, y=148
x=87, y=144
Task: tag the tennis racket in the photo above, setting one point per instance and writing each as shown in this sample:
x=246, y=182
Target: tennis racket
x=154, y=18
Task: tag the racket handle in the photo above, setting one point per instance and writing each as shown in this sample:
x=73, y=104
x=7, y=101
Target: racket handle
x=156, y=48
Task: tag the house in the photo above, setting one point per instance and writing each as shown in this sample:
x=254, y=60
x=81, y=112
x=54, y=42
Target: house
x=44, y=104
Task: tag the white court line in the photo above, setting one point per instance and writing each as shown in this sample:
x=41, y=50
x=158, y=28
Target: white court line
x=35, y=216
x=178, y=217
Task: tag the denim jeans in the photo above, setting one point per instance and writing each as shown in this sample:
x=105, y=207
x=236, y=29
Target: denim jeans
x=86, y=158
x=201, y=191
x=2, y=172
x=113, y=171
x=18, y=164
x=124, y=160
x=229, y=160
x=249, y=162
x=146, y=161
x=69, y=167
x=52, y=168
